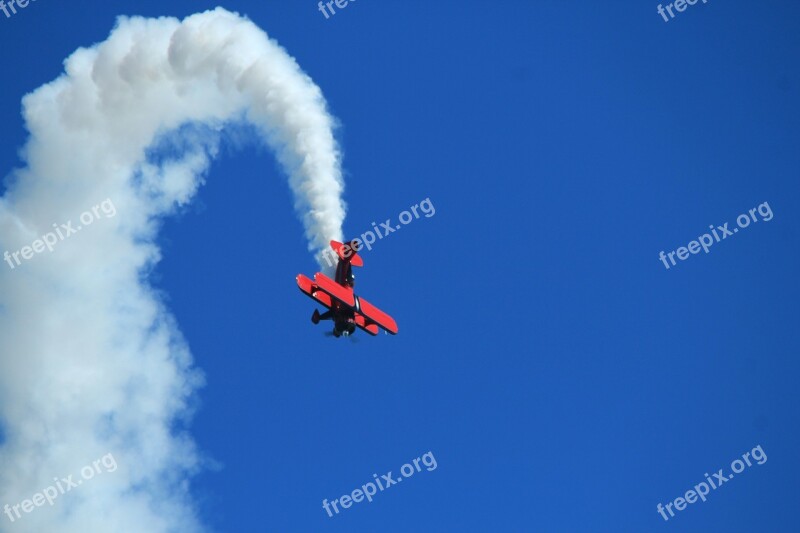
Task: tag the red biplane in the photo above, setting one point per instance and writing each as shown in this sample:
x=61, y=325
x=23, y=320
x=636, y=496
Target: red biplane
x=345, y=308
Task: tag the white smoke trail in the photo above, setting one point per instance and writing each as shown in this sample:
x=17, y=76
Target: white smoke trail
x=91, y=362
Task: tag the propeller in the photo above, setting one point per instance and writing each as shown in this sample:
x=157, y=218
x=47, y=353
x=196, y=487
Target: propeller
x=352, y=338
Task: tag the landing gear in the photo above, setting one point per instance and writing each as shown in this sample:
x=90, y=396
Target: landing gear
x=316, y=317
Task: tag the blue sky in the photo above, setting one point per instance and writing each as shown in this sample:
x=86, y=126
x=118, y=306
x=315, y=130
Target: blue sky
x=563, y=379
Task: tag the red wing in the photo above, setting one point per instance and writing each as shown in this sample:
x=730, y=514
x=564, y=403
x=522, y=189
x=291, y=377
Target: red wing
x=324, y=290
x=373, y=314
x=369, y=327
x=307, y=286
x=342, y=294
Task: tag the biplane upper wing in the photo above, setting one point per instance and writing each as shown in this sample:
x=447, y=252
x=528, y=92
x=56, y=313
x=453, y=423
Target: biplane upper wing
x=373, y=314
x=335, y=290
x=307, y=286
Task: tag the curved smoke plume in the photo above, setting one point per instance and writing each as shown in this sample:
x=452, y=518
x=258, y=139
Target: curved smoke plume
x=91, y=363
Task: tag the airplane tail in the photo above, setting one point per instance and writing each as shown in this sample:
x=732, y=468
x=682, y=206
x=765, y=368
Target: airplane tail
x=347, y=252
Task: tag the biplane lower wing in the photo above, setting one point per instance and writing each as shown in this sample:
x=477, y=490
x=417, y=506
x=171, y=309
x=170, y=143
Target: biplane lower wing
x=369, y=327
x=373, y=314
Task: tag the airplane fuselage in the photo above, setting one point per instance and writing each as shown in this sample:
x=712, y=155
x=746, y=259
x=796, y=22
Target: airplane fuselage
x=343, y=316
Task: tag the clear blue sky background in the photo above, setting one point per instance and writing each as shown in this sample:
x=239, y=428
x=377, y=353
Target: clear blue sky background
x=562, y=377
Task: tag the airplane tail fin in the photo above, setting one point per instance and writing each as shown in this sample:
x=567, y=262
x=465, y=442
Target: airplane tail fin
x=347, y=252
